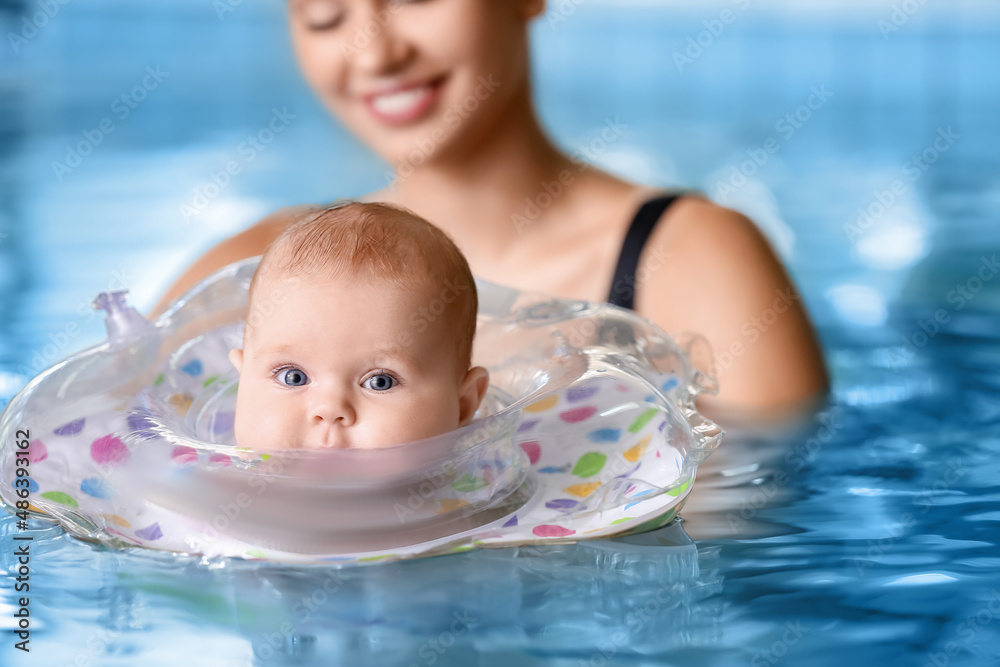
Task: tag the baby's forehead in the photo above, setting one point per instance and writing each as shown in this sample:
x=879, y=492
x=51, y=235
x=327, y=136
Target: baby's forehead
x=400, y=294
x=416, y=280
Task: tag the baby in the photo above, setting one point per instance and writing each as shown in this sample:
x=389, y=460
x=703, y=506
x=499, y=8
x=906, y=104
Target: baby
x=359, y=334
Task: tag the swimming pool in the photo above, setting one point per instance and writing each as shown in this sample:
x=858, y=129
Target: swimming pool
x=867, y=536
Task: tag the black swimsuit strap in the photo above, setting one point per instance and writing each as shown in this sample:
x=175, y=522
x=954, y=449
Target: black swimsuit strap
x=623, y=283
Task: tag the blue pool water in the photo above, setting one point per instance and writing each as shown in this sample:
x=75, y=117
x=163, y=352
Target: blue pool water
x=866, y=536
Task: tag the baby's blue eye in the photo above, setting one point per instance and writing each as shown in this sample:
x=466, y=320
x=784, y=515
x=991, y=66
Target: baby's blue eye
x=293, y=377
x=380, y=382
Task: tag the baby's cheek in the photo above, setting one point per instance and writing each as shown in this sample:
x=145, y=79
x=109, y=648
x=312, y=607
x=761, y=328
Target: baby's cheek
x=254, y=423
x=427, y=420
x=269, y=430
x=241, y=430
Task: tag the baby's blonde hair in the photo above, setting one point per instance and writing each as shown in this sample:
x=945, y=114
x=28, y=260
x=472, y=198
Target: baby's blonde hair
x=381, y=243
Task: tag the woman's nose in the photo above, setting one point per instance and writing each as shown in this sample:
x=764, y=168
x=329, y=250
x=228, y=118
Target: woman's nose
x=378, y=48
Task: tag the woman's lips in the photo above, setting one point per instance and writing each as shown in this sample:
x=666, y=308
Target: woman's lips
x=404, y=104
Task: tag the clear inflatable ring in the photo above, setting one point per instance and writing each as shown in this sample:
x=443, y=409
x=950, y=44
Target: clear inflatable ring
x=589, y=430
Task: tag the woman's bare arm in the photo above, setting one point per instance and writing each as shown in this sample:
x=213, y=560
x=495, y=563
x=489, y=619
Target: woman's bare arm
x=709, y=270
x=248, y=243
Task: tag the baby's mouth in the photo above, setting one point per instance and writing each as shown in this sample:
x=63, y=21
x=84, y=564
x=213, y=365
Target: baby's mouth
x=329, y=440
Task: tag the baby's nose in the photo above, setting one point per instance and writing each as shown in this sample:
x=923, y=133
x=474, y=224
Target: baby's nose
x=332, y=409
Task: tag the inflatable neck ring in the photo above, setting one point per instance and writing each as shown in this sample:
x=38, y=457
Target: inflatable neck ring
x=589, y=430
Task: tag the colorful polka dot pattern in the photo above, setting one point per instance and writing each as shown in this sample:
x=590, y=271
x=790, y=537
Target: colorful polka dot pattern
x=192, y=368
x=583, y=490
x=578, y=415
x=39, y=452
x=533, y=450
x=139, y=423
x=70, y=428
x=109, y=450
x=527, y=425
x=589, y=464
x=32, y=485
x=150, y=533
x=592, y=462
x=61, y=498
x=467, y=483
x=100, y=439
x=605, y=435
x=547, y=530
x=606, y=452
x=96, y=487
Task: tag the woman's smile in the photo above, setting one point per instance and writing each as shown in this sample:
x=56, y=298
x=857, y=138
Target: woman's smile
x=404, y=103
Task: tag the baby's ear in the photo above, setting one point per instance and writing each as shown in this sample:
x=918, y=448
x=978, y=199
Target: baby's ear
x=236, y=359
x=473, y=388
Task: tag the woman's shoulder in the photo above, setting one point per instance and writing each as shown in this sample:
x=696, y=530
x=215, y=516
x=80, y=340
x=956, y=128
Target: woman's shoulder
x=706, y=236
x=693, y=229
x=709, y=269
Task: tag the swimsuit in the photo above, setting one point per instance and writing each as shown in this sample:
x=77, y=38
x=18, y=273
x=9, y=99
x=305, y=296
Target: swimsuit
x=622, y=291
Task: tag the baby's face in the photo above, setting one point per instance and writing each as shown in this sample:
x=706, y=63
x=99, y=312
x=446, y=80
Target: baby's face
x=334, y=364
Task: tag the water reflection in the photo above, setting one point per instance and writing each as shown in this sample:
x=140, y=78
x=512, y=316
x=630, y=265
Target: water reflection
x=595, y=602
x=760, y=469
x=643, y=594
x=865, y=528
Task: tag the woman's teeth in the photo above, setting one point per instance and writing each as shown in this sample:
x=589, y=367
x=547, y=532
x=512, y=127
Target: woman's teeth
x=394, y=104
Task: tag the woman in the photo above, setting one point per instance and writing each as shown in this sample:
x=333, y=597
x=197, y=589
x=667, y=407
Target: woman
x=440, y=89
